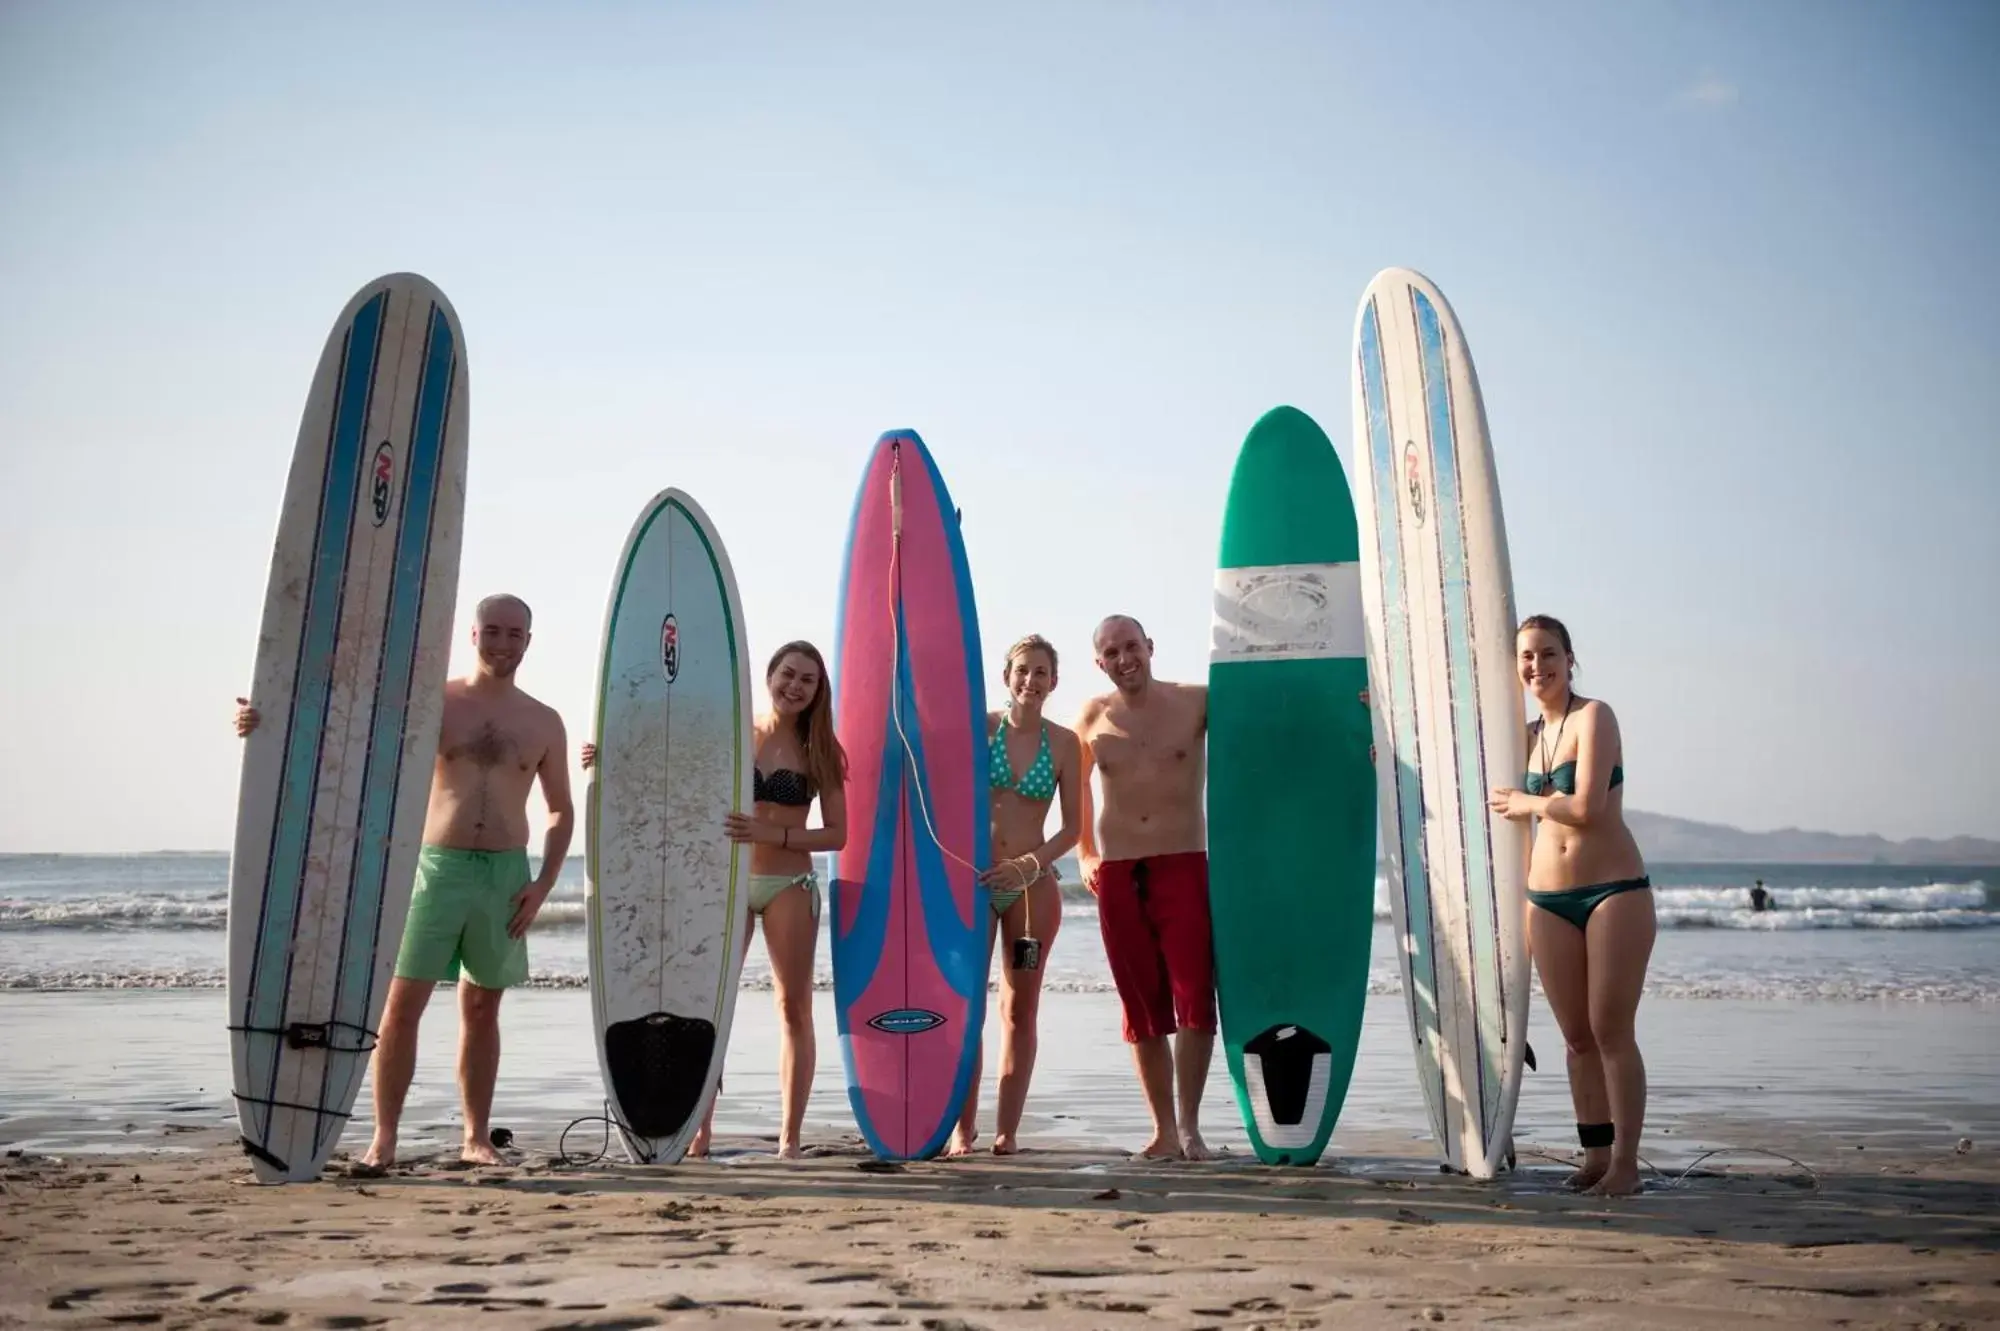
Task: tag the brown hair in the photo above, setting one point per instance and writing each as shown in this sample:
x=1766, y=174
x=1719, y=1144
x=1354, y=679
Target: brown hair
x=1550, y=624
x=1032, y=642
x=826, y=761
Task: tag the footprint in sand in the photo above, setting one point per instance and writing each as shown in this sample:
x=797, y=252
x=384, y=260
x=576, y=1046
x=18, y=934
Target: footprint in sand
x=229, y=1293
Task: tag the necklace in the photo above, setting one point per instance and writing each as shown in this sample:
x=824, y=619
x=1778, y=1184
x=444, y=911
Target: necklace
x=1548, y=770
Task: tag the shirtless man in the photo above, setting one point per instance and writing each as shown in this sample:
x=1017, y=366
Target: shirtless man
x=1145, y=857
x=474, y=900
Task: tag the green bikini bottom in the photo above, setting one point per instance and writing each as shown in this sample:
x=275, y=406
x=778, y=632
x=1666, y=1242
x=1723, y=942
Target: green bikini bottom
x=765, y=887
x=1576, y=903
x=1002, y=899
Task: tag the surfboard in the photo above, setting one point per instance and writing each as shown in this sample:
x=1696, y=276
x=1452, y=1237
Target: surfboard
x=1439, y=596
x=908, y=912
x=667, y=896
x=349, y=685
x=1291, y=788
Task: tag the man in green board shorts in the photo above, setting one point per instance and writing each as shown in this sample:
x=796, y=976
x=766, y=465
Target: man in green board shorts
x=474, y=901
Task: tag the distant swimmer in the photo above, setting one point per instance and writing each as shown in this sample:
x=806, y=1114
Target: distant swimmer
x=1760, y=900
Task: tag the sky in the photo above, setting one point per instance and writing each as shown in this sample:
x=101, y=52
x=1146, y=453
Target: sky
x=1727, y=273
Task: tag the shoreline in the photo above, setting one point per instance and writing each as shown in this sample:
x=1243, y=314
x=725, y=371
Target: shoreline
x=1770, y=1071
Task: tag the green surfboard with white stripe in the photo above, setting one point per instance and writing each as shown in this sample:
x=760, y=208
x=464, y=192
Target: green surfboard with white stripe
x=1291, y=787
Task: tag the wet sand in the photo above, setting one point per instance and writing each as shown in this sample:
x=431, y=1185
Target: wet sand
x=1067, y=1237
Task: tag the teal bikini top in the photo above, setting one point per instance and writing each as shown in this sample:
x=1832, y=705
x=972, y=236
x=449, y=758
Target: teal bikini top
x=1564, y=778
x=1037, y=783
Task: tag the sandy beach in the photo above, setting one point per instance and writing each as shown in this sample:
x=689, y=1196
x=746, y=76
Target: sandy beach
x=141, y=1211
x=1053, y=1238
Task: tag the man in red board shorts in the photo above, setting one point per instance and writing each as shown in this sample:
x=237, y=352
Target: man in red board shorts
x=1145, y=856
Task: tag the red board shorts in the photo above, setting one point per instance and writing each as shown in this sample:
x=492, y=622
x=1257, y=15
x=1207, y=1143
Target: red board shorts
x=1153, y=913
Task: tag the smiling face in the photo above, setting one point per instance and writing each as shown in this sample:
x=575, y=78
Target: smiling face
x=1124, y=653
x=1030, y=676
x=1545, y=664
x=500, y=634
x=794, y=682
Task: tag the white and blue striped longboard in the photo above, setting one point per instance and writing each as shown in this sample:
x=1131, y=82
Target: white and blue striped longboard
x=1437, y=592
x=349, y=682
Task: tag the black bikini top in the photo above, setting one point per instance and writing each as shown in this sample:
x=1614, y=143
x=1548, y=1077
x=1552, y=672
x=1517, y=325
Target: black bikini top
x=783, y=786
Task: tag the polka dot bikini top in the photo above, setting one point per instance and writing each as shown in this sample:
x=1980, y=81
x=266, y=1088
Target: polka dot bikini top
x=1037, y=783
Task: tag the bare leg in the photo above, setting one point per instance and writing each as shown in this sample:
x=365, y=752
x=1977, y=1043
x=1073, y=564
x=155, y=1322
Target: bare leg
x=789, y=933
x=1021, y=1005
x=1620, y=940
x=395, y=1062
x=705, y=1134
x=1562, y=963
x=967, y=1131
x=478, y=1068
x=1192, y=1050
x=1155, y=1061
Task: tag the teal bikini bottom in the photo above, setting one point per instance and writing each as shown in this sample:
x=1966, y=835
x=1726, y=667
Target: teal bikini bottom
x=1576, y=903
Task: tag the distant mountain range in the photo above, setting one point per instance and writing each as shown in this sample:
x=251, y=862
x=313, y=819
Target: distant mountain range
x=1669, y=840
x=1684, y=841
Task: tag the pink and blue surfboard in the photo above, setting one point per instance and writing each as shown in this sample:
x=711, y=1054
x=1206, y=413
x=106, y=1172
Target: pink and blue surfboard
x=908, y=911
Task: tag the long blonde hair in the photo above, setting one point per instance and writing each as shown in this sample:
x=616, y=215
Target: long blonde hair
x=826, y=761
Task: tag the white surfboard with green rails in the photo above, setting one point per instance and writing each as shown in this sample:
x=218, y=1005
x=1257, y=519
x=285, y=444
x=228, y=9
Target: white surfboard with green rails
x=667, y=893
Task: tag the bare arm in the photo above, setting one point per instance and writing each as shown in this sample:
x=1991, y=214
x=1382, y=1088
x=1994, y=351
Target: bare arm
x=1067, y=835
x=831, y=834
x=1086, y=821
x=554, y=776
x=553, y=773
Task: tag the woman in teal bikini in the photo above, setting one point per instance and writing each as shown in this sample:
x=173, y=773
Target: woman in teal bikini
x=1026, y=895
x=798, y=759
x=1591, y=921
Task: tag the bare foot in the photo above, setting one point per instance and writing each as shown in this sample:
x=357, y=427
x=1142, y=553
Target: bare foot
x=476, y=1152
x=381, y=1153
x=1621, y=1180
x=698, y=1148
x=961, y=1142
x=789, y=1151
x=1595, y=1164
x=1159, y=1149
x=1004, y=1144
x=1192, y=1146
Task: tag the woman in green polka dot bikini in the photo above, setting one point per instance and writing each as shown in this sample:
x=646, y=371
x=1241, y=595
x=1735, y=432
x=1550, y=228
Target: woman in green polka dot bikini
x=1032, y=760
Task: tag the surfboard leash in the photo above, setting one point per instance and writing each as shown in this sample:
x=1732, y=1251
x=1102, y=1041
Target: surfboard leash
x=896, y=643
x=895, y=686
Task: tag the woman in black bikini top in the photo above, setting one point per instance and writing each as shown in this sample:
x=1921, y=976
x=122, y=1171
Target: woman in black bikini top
x=1591, y=923
x=798, y=759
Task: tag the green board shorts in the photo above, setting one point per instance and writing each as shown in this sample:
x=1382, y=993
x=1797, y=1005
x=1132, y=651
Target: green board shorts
x=459, y=914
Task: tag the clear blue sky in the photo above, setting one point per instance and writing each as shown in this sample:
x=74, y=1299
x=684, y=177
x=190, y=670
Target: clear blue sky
x=1727, y=271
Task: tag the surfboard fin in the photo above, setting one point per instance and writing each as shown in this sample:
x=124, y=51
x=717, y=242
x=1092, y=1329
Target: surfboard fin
x=1531, y=1057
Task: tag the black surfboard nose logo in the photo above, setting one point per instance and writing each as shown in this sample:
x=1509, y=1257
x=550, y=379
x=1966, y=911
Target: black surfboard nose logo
x=670, y=648
x=1413, y=477
x=384, y=473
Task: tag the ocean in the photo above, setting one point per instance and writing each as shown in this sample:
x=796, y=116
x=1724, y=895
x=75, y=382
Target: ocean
x=1865, y=932
x=1860, y=1005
